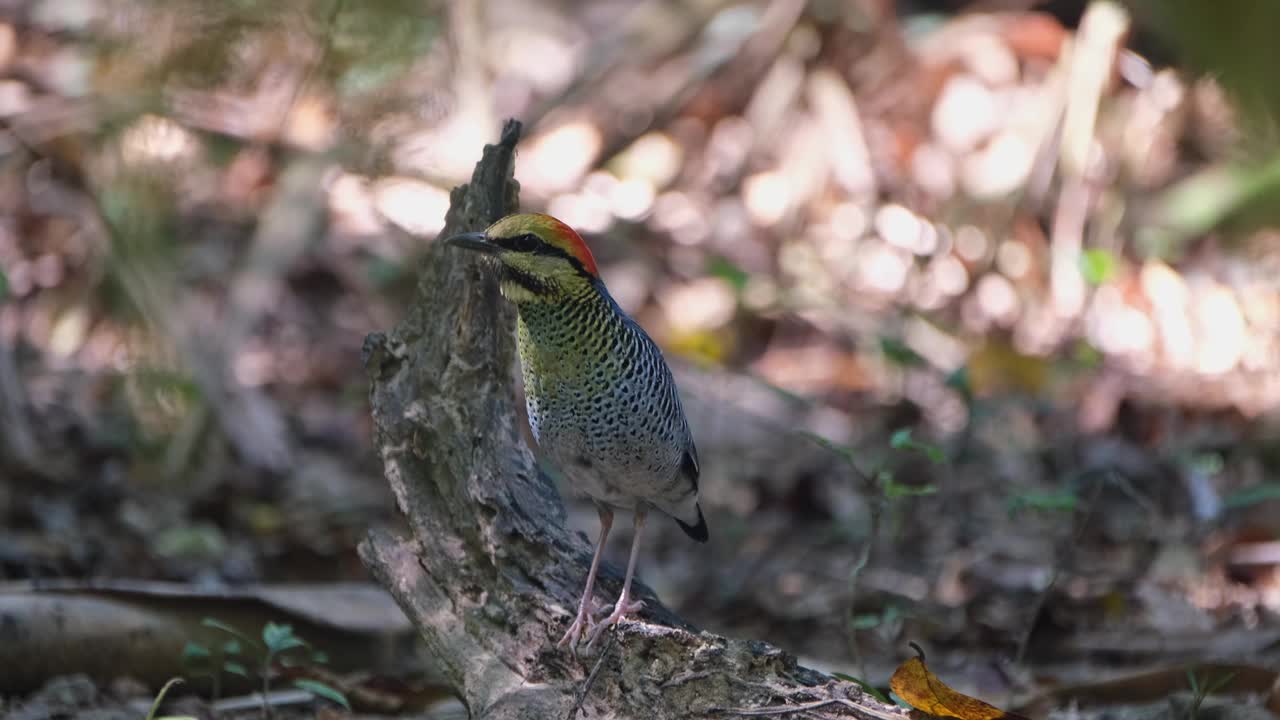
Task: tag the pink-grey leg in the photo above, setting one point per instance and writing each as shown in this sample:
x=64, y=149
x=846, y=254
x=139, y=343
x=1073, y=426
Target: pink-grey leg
x=584, y=622
x=625, y=604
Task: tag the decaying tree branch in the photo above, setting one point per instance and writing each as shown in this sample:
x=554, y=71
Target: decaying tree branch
x=491, y=575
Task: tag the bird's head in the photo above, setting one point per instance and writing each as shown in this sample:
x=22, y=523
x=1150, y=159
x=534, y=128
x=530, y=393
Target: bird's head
x=539, y=257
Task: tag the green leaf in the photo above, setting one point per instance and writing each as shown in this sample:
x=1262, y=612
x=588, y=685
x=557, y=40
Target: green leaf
x=291, y=643
x=1206, y=463
x=902, y=440
x=1063, y=501
x=1251, y=496
x=894, y=489
x=194, y=651
x=235, y=668
x=201, y=541
x=900, y=702
x=231, y=647
x=900, y=354
x=1200, y=202
x=1097, y=265
x=279, y=638
x=726, y=270
x=868, y=687
x=958, y=380
x=4, y=285
x=273, y=634
x=866, y=621
x=219, y=625
x=319, y=658
x=319, y=689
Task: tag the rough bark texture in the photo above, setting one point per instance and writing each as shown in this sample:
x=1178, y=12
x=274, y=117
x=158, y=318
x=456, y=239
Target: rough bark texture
x=491, y=576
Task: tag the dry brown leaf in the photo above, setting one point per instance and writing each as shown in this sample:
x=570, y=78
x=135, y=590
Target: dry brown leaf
x=913, y=682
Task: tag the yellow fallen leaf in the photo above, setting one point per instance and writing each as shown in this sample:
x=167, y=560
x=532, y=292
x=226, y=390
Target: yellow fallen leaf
x=924, y=691
x=998, y=367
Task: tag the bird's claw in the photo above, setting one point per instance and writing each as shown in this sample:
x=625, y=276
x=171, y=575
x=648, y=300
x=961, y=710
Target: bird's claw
x=620, y=610
x=584, y=622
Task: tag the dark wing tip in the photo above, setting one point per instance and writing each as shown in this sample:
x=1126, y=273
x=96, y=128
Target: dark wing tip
x=689, y=466
x=697, y=532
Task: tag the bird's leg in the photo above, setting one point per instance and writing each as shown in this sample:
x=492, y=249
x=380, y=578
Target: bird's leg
x=625, y=604
x=584, y=622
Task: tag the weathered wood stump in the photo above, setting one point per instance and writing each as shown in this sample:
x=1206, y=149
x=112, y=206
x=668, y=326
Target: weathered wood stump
x=491, y=576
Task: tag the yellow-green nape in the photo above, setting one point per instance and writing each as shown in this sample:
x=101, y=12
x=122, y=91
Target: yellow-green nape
x=549, y=230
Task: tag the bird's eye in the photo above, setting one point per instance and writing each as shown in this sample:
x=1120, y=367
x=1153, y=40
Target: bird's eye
x=525, y=243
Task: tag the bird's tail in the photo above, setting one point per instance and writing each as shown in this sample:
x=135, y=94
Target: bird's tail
x=698, y=530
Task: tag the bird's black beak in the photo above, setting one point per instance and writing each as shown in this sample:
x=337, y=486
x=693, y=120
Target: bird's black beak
x=473, y=241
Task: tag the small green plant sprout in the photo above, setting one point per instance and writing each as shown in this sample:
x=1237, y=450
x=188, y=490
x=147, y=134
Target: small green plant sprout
x=155, y=704
x=277, y=645
x=902, y=440
x=884, y=494
x=887, y=620
x=894, y=490
x=1060, y=501
x=201, y=661
x=1203, y=688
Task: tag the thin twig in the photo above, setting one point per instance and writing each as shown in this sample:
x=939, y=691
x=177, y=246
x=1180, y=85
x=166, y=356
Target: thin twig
x=591, y=678
x=877, y=503
x=860, y=710
x=758, y=712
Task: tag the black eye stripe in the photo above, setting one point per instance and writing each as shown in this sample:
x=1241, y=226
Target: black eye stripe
x=530, y=243
x=527, y=242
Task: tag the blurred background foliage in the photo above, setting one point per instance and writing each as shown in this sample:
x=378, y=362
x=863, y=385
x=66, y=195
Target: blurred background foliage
x=1040, y=235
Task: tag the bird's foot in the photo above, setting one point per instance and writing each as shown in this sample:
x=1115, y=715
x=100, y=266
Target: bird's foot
x=585, y=622
x=620, y=610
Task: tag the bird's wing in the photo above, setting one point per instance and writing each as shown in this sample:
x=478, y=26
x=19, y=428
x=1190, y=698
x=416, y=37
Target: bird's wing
x=689, y=465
